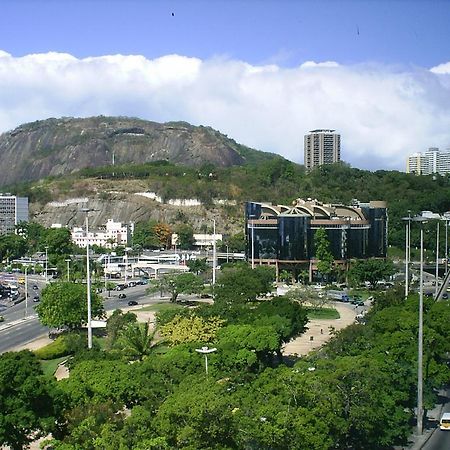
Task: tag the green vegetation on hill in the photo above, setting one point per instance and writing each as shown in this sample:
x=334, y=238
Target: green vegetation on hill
x=275, y=180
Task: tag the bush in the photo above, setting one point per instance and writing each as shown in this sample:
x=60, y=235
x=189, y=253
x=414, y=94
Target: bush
x=56, y=349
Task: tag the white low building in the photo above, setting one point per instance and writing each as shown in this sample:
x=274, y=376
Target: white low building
x=200, y=240
x=114, y=234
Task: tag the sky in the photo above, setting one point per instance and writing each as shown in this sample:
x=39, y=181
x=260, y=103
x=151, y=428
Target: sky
x=262, y=72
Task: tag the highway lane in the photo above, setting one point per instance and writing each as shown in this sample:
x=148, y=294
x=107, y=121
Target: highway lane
x=21, y=334
x=439, y=440
x=30, y=329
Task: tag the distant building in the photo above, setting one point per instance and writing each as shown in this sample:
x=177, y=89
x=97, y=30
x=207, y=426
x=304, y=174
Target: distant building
x=321, y=147
x=200, y=240
x=13, y=210
x=429, y=162
x=283, y=236
x=112, y=235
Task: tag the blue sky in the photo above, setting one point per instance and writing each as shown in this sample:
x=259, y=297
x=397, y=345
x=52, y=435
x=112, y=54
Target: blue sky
x=263, y=72
x=286, y=32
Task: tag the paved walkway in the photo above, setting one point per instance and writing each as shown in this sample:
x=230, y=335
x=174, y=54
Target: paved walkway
x=320, y=331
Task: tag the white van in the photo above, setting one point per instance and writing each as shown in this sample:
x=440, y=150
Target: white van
x=444, y=423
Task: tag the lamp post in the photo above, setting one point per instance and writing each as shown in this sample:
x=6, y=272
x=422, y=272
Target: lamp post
x=214, y=253
x=407, y=250
x=446, y=217
x=46, y=263
x=421, y=220
x=205, y=351
x=252, y=216
x=126, y=264
x=88, y=281
x=68, y=269
x=437, y=260
x=26, y=291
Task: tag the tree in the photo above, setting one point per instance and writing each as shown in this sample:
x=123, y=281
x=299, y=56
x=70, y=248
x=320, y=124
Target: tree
x=59, y=241
x=175, y=284
x=12, y=246
x=198, y=265
x=185, y=236
x=181, y=330
x=164, y=234
x=235, y=243
x=145, y=236
x=323, y=254
x=64, y=304
x=372, y=270
x=29, y=405
x=136, y=340
x=115, y=324
x=241, y=283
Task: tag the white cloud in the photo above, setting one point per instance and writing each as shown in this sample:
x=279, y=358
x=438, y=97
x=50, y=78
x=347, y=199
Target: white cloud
x=383, y=113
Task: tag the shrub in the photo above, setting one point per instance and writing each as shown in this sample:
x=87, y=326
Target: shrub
x=55, y=349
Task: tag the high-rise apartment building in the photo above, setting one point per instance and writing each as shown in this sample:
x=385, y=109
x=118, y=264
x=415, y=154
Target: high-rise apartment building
x=322, y=147
x=429, y=162
x=13, y=210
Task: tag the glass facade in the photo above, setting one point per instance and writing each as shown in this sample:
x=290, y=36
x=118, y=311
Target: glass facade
x=293, y=239
x=284, y=233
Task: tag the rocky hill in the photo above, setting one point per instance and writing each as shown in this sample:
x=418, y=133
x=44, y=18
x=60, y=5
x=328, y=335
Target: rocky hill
x=59, y=146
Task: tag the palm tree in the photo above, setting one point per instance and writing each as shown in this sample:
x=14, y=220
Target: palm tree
x=136, y=340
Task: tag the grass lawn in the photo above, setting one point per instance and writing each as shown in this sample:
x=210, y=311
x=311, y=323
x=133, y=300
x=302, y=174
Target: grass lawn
x=49, y=366
x=323, y=313
x=157, y=307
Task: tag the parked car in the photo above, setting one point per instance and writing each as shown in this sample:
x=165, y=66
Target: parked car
x=36, y=299
x=55, y=332
x=132, y=303
x=445, y=296
x=122, y=295
x=35, y=287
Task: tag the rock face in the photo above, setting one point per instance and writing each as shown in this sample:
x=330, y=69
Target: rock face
x=57, y=146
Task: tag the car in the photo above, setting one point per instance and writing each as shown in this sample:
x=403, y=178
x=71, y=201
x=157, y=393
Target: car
x=122, y=295
x=132, y=303
x=55, y=332
x=36, y=299
x=445, y=296
x=35, y=287
x=2, y=319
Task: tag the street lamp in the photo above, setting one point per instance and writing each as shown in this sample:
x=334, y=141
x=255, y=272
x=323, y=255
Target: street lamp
x=46, y=263
x=407, y=251
x=252, y=216
x=205, y=351
x=26, y=292
x=214, y=253
x=421, y=220
x=437, y=260
x=88, y=280
x=446, y=217
x=68, y=269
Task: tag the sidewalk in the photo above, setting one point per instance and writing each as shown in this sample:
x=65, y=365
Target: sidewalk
x=320, y=331
x=431, y=424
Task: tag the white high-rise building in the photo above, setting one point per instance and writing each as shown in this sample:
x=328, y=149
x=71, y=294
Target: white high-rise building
x=429, y=162
x=321, y=147
x=13, y=210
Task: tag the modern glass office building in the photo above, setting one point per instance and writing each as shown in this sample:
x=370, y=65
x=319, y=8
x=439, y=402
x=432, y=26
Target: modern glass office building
x=284, y=235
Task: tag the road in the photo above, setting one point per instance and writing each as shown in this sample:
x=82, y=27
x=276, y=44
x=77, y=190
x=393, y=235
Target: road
x=439, y=440
x=18, y=329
